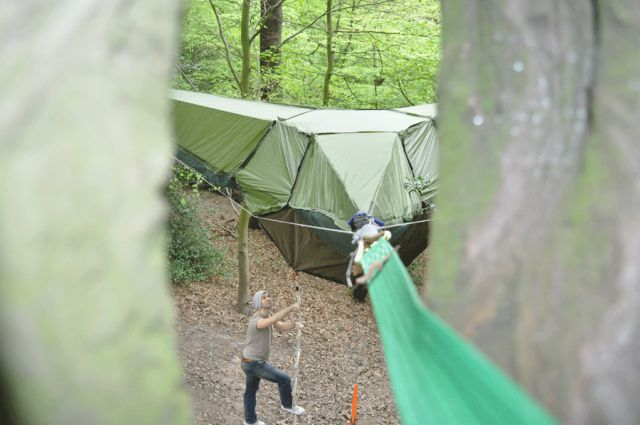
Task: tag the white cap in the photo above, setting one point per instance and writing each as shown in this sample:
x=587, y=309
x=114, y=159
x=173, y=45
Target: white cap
x=257, y=299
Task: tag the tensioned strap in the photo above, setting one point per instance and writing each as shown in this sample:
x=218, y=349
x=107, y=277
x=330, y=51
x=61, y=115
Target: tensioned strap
x=437, y=377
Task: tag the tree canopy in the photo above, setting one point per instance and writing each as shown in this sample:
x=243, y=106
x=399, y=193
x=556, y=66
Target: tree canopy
x=385, y=53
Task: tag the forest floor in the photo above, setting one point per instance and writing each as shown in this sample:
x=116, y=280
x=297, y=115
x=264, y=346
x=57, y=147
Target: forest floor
x=339, y=341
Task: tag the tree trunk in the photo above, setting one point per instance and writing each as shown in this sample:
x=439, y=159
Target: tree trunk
x=270, y=39
x=86, y=319
x=330, y=55
x=245, y=40
x=537, y=232
x=243, y=260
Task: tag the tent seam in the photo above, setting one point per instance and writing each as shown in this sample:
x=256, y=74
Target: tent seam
x=253, y=152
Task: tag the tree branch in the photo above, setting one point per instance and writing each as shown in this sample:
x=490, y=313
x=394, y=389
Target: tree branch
x=345, y=49
x=179, y=68
x=302, y=30
x=226, y=44
x=402, y=91
x=384, y=32
x=337, y=8
x=351, y=91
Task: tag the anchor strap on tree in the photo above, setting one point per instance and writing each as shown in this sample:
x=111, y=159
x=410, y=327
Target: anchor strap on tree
x=437, y=377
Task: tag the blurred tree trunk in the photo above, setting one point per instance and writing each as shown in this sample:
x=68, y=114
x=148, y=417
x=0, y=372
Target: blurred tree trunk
x=537, y=236
x=270, y=39
x=86, y=320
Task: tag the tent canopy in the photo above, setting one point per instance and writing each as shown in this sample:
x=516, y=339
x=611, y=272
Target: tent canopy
x=426, y=110
x=324, y=164
x=323, y=121
x=246, y=108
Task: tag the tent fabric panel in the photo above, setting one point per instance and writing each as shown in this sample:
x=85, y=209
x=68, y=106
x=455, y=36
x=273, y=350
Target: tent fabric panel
x=268, y=177
x=360, y=161
x=314, y=251
x=354, y=169
x=249, y=108
x=393, y=201
x=320, y=188
x=302, y=248
x=425, y=110
x=222, y=139
x=339, y=242
x=323, y=121
x=203, y=168
x=412, y=238
x=437, y=377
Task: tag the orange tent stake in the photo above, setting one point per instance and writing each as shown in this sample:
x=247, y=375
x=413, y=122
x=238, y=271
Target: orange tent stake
x=354, y=405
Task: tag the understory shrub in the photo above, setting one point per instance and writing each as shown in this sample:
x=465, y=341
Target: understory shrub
x=192, y=255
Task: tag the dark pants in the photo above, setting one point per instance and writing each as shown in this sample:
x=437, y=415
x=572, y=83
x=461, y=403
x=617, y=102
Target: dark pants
x=255, y=371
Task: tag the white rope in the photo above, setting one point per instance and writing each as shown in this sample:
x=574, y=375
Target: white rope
x=405, y=224
x=231, y=201
x=296, y=361
x=327, y=229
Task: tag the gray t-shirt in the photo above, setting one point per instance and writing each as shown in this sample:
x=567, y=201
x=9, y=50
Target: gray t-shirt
x=258, y=343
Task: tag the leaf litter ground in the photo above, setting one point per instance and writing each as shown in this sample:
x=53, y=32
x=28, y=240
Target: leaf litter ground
x=340, y=338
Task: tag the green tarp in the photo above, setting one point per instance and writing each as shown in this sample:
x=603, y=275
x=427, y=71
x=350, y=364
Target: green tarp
x=427, y=110
x=437, y=377
x=268, y=178
x=330, y=182
x=323, y=164
x=221, y=131
x=329, y=121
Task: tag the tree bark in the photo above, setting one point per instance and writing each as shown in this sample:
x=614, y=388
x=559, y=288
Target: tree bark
x=330, y=55
x=243, y=260
x=537, y=233
x=270, y=39
x=86, y=319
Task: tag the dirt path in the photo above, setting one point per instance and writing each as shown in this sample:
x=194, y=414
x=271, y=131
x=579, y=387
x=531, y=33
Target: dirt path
x=339, y=339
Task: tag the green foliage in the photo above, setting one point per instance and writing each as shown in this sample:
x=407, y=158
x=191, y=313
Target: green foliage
x=185, y=177
x=417, y=184
x=192, y=255
x=387, y=53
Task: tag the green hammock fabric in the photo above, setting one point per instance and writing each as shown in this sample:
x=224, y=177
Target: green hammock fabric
x=436, y=376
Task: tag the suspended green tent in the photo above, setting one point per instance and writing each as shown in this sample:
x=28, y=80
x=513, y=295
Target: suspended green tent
x=315, y=167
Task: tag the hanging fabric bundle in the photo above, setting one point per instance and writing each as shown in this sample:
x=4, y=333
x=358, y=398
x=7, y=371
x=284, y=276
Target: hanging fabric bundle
x=437, y=377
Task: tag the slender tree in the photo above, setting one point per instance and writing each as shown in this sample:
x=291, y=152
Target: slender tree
x=330, y=55
x=227, y=49
x=243, y=261
x=270, y=40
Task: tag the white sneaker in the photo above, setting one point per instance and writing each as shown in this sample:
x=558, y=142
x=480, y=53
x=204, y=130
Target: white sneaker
x=258, y=422
x=295, y=410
